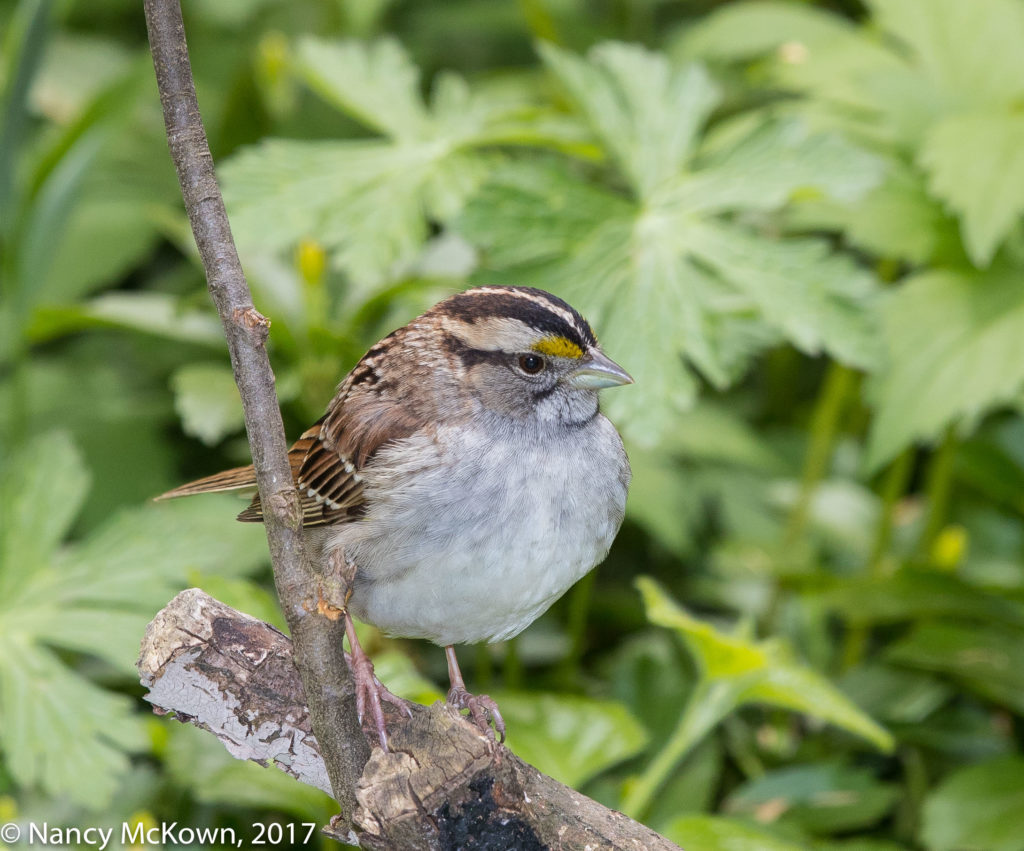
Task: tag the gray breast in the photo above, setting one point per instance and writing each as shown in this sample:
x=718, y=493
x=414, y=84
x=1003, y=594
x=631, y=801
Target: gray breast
x=471, y=534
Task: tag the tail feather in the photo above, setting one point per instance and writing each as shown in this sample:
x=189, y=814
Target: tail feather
x=314, y=511
x=228, y=480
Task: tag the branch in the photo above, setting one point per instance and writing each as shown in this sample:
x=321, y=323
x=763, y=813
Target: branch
x=318, y=640
x=443, y=785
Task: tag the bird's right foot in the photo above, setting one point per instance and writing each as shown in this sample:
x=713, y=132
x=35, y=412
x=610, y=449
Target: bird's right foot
x=483, y=711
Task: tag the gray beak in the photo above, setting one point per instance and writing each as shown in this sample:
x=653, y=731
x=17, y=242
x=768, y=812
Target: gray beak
x=597, y=371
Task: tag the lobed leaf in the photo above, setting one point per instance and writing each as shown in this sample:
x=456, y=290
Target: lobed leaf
x=970, y=50
x=375, y=82
x=955, y=342
x=985, y=189
x=56, y=727
x=41, y=491
x=647, y=114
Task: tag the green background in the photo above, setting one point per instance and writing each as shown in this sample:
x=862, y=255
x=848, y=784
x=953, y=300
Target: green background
x=797, y=224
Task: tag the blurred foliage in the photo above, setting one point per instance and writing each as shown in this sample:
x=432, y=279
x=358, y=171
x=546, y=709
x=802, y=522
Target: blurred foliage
x=797, y=223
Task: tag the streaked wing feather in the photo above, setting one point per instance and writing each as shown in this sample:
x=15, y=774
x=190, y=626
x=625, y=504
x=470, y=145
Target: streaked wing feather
x=327, y=458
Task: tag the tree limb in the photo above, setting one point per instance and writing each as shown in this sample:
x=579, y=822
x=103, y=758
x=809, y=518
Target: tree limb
x=443, y=785
x=318, y=640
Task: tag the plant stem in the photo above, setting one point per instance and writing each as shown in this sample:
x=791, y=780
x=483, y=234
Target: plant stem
x=579, y=606
x=938, y=485
x=512, y=668
x=824, y=426
x=893, y=487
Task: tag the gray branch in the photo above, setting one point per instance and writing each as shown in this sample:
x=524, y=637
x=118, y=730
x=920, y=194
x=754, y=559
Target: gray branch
x=318, y=639
x=443, y=785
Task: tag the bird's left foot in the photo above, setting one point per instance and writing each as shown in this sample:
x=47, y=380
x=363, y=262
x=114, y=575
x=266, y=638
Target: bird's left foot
x=482, y=710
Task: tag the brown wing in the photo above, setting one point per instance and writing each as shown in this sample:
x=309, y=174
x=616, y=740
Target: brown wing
x=327, y=458
x=329, y=487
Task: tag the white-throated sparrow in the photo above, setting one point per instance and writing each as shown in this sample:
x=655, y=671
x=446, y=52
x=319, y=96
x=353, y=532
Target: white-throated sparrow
x=465, y=471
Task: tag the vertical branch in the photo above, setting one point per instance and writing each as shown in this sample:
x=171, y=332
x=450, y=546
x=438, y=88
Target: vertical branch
x=317, y=640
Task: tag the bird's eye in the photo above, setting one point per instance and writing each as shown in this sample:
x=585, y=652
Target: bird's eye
x=531, y=364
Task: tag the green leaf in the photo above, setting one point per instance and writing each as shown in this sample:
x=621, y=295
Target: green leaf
x=373, y=202
x=895, y=220
x=56, y=727
x=820, y=300
x=895, y=695
x=154, y=313
x=647, y=676
x=823, y=798
x=778, y=161
x=914, y=594
x=647, y=114
x=724, y=292
x=714, y=833
x=41, y=491
x=103, y=241
x=716, y=433
x=987, y=659
x=45, y=221
x=662, y=500
x=758, y=672
x=568, y=737
x=970, y=50
x=955, y=345
x=206, y=399
x=980, y=807
x=376, y=83
x=74, y=70
x=746, y=30
x=976, y=164
x=94, y=597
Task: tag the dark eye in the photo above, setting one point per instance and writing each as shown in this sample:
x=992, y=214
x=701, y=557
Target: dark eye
x=531, y=364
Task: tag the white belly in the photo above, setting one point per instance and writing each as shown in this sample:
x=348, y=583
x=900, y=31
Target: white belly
x=478, y=540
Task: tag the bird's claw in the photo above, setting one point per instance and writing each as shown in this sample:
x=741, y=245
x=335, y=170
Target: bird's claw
x=482, y=710
x=370, y=692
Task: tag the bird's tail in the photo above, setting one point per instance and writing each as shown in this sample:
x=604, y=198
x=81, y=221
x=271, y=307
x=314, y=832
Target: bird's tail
x=238, y=478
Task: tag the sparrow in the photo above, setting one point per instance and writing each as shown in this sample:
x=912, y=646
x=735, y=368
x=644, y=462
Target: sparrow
x=465, y=473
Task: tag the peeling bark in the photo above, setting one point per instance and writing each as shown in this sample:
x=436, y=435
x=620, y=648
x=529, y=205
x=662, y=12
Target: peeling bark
x=444, y=785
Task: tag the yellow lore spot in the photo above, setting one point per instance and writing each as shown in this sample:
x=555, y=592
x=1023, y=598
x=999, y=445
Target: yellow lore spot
x=558, y=347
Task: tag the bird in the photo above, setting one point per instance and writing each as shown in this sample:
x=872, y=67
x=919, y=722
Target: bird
x=465, y=474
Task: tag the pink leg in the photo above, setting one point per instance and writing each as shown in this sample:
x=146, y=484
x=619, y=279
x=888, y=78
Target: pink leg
x=482, y=709
x=368, y=688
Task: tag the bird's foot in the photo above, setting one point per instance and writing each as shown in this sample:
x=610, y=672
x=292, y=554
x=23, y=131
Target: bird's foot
x=369, y=690
x=383, y=692
x=482, y=710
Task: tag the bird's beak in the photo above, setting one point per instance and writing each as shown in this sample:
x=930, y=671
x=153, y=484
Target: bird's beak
x=597, y=371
